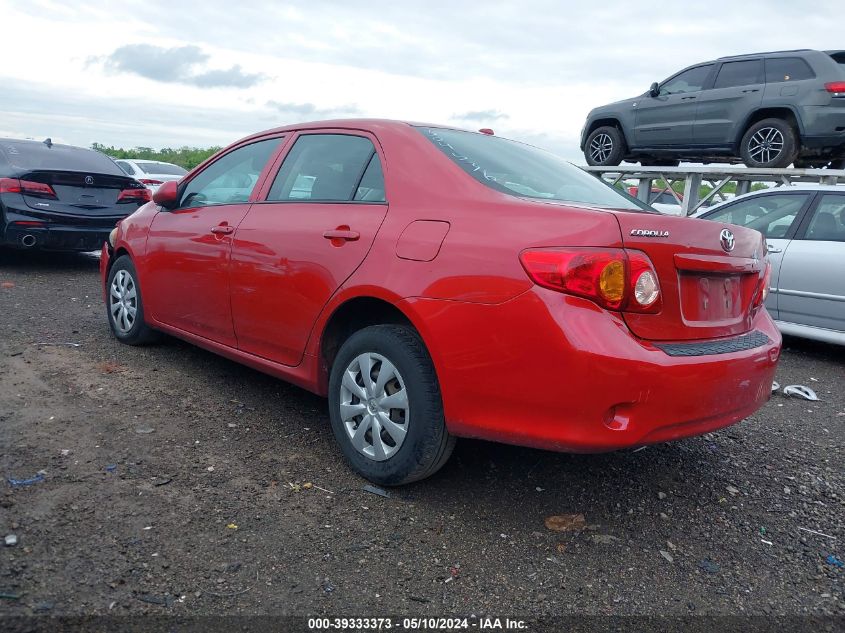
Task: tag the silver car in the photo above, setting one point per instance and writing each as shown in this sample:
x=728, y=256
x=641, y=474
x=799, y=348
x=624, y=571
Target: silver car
x=804, y=227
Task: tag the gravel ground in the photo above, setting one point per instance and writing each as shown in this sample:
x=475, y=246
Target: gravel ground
x=177, y=482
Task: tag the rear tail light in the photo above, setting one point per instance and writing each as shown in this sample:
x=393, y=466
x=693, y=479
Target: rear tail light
x=762, y=288
x=135, y=195
x=614, y=278
x=29, y=224
x=26, y=187
x=837, y=88
x=150, y=181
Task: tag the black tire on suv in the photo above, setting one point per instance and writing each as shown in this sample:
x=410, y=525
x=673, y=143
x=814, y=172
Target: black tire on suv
x=770, y=143
x=605, y=147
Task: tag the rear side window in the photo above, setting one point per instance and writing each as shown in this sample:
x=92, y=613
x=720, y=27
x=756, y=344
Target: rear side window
x=740, y=73
x=691, y=80
x=34, y=156
x=772, y=215
x=329, y=168
x=828, y=223
x=783, y=69
x=230, y=179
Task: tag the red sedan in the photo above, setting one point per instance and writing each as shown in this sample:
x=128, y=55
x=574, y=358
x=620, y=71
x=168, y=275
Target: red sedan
x=437, y=283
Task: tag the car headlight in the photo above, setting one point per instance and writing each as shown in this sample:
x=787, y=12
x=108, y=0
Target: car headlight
x=112, y=236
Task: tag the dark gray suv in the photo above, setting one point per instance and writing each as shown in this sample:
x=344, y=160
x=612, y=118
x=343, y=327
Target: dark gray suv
x=765, y=109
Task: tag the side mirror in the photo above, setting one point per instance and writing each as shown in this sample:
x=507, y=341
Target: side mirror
x=167, y=195
x=654, y=90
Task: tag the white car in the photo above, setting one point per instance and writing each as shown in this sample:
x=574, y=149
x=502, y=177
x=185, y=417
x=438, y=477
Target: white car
x=804, y=226
x=151, y=173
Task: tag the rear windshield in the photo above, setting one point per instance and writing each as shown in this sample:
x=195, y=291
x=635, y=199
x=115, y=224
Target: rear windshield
x=839, y=57
x=161, y=168
x=32, y=156
x=525, y=171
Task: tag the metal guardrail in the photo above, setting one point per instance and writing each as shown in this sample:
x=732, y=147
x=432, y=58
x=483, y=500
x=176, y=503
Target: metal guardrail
x=716, y=177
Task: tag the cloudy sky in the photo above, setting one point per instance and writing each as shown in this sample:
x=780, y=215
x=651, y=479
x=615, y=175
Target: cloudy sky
x=207, y=72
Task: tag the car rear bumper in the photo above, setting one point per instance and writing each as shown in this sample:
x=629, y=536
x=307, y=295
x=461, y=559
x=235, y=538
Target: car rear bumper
x=55, y=237
x=824, y=127
x=557, y=372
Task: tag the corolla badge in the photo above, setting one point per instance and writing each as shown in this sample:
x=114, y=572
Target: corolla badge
x=726, y=238
x=649, y=233
x=89, y=180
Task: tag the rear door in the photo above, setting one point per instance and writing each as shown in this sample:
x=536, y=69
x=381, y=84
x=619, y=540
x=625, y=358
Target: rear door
x=812, y=279
x=297, y=246
x=777, y=216
x=668, y=118
x=186, y=268
x=737, y=91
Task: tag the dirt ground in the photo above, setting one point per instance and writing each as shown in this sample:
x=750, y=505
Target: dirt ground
x=176, y=482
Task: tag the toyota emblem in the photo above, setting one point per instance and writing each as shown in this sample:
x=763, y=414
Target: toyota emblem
x=89, y=180
x=727, y=240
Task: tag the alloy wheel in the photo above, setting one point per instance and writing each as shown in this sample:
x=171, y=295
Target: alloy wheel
x=600, y=147
x=123, y=301
x=766, y=145
x=374, y=406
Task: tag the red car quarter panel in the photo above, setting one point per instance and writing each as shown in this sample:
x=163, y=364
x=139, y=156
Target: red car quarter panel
x=436, y=283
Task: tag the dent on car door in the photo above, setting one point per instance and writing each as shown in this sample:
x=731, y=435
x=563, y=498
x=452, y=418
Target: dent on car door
x=812, y=283
x=668, y=118
x=188, y=249
x=776, y=216
x=297, y=246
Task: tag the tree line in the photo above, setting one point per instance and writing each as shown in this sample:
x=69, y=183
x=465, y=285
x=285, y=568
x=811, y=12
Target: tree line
x=187, y=157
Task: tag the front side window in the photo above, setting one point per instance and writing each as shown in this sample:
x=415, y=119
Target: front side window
x=784, y=69
x=740, y=73
x=828, y=223
x=772, y=215
x=230, y=179
x=691, y=80
x=525, y=171
x=329, y=168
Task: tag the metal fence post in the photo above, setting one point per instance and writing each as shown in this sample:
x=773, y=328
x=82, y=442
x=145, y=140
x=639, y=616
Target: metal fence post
x=692, y=189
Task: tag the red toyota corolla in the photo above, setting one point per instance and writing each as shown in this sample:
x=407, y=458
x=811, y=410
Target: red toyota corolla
x=436, y=283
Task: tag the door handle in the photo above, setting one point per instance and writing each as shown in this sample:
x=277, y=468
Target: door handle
x=342, y=233
x=222, y=229
x=752, y=90
x=773, y=249
x=684, y=98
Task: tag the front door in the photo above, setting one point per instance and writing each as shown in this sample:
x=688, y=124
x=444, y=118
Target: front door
x=295, y=248
x=812, y=283
x=668, y=118
x=186, y=281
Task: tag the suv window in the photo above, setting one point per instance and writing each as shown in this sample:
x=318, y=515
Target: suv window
x=828, y=221
x=231, y=178
x=780, y=69
x=690, y=80
x=771, y=214
x=329, y=168
x=740, y=73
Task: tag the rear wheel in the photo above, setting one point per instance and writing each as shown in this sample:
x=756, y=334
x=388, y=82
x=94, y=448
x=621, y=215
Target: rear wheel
x=605, y=147
x=770, y=143
x=125, y=306
x=385, y=406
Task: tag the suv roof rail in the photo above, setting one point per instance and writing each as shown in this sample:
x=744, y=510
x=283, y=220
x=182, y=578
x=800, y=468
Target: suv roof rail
x=796, y=50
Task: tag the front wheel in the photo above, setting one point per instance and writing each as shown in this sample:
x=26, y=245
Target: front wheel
x=605, y=147
x=770, y=143
x=385, y=406
x=125, y=306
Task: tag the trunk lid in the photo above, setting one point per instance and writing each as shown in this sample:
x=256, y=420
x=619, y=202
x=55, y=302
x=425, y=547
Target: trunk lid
x=707, y=289
x=81, y=193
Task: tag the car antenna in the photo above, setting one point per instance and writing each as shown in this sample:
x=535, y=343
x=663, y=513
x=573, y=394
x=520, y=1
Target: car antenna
x=48, y=142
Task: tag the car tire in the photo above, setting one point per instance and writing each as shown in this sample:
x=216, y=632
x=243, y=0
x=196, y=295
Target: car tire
x=770, y=143
x=124, y=305
x=413, y=442
x=605, y=147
